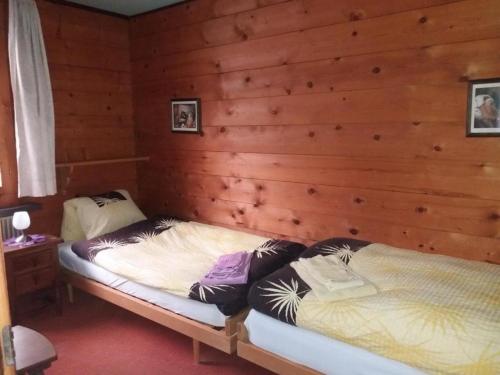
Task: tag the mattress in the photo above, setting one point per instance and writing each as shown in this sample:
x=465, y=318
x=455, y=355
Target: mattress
x=202, y=312
x=318, y=352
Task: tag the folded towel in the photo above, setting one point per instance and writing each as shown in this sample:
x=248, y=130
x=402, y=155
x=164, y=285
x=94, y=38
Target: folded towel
x=331, y=279
x=229, y=269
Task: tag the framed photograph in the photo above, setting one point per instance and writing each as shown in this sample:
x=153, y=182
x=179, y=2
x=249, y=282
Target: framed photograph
x=186, y=115
x=483, y=116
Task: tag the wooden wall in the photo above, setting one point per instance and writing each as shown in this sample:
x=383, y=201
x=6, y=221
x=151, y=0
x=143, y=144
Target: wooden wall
x=88, y=54
x=323, y=118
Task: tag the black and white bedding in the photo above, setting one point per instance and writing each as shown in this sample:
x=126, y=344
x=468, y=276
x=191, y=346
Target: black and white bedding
x=174, y=255
x=279, y=294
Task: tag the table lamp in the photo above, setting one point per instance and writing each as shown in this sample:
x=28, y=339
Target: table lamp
x=21, y=222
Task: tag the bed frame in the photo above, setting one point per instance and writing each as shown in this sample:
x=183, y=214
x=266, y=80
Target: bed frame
x=222, y=338
x=266, y=359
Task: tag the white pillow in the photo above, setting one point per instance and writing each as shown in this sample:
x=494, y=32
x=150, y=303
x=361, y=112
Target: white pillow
x=71, y=230
x=105, y=213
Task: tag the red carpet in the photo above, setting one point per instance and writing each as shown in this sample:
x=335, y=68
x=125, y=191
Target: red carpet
x=94, y=337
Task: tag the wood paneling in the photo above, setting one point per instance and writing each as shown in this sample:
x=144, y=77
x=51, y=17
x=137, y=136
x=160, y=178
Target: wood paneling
x=281, y=18
x=451, y=63
x=88, y=55
x=450, y=23
x=323, y=119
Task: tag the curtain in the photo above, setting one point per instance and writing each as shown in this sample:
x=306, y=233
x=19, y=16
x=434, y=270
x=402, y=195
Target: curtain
x=33, y=104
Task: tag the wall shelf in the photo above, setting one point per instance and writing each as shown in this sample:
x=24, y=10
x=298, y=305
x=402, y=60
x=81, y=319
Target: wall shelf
x=102, y=161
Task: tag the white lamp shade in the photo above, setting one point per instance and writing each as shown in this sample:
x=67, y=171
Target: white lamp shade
x=21, y=220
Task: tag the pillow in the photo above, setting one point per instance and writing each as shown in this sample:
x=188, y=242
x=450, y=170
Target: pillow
x=71, y=230
x=105, y=213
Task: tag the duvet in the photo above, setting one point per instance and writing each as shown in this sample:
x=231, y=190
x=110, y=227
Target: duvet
x=174, y=255
x=433, y=312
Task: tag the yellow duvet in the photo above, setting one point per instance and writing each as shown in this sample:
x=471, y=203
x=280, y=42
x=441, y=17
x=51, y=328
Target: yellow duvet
x=435, y=313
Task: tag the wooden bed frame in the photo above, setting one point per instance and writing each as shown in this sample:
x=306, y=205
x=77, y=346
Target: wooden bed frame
x=222, y=338
x=266, y=359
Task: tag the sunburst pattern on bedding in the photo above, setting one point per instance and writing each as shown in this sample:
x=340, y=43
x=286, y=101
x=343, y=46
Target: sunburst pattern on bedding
x=173, y=255
x=284, y=297
x=432, y=312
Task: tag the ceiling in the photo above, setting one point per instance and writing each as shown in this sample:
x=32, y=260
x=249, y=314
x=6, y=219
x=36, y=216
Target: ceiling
x=126, y=7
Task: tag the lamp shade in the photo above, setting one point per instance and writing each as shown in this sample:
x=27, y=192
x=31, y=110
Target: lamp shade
x=21, y=220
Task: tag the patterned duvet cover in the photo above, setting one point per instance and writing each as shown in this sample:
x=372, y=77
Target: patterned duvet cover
x=436, y=313
x=173, y=255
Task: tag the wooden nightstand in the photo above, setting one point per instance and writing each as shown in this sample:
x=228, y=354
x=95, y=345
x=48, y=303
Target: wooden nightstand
x=33, y=268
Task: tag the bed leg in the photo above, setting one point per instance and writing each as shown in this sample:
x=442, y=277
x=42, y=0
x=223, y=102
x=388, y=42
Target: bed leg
x=196, y=351
x=71, y=296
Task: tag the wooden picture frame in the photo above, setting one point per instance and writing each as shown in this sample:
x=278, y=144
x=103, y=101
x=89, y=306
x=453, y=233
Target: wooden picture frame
x=483, y=113
x=186, y=115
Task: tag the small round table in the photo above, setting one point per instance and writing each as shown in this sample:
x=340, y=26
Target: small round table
x=34, y=353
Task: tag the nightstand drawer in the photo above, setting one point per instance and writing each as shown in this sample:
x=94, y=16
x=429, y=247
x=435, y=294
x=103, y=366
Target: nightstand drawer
x=31, y=261
x=36, y=280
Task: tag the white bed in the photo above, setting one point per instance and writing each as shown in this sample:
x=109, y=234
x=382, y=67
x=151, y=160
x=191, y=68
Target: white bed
x=202, y=312
x=316, y=351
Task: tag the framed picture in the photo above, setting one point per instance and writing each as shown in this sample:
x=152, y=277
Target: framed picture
x=186, y=115
x=483, y=116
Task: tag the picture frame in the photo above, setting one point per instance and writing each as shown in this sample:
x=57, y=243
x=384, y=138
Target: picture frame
x=186, y=115
x=483, y=114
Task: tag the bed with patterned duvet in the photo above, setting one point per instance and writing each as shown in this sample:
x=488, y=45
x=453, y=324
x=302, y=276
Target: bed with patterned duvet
x=435, y=313
x=175, y=256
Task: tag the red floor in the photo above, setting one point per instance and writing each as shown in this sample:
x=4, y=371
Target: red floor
x=95, y=337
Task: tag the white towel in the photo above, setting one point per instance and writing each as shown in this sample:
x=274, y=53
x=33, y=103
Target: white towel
x=331, y=279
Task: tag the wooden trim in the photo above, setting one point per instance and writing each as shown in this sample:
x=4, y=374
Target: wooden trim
x=223, y=339
x=89, y=8
x=266, y=359
x=102, y=161
x=233, y=322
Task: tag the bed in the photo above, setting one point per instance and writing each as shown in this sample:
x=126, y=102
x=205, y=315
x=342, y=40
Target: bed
x=157, y=268
x=385, y=311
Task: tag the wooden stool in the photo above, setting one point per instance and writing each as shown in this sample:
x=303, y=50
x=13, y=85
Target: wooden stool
x=34, y=353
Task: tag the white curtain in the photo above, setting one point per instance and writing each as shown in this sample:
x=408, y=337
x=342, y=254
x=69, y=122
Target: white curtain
x=33, y=104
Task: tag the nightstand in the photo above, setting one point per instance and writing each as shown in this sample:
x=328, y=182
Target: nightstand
x=33, y=269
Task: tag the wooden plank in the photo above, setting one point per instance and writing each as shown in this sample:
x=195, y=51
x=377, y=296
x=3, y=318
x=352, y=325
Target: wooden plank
x=74, y=78
x=81, y=121
x=438, y=177
x=85, y=103
x=450, y=23
x=414, y=104
x=191, y=13
x=406, y=140
x=87, y=54
x=68, y=23
x=440, y=65
x=264, y=22
x=78, y=149
x=103, y=132
x=455, y=215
